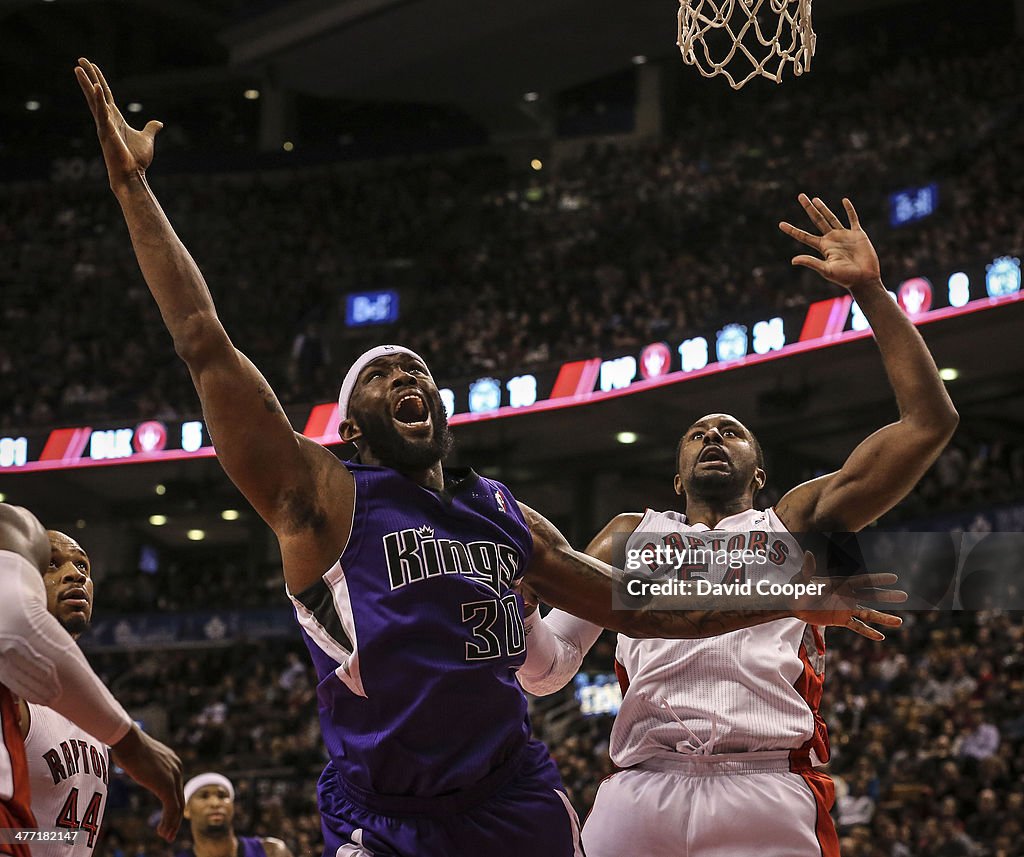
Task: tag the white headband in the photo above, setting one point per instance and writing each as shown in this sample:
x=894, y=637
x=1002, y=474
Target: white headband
x=210, y=779
x=349, y=384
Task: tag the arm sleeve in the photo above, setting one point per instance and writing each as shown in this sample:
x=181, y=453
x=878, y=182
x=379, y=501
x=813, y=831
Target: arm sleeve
x=40, y=662
x=555, y=647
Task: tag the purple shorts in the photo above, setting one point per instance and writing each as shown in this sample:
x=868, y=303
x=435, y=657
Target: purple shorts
x=528, y=814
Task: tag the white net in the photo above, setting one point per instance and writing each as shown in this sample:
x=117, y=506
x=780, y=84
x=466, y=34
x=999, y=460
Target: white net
x=744, y=39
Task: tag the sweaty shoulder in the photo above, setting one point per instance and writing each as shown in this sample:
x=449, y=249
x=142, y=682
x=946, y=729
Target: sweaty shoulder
x=603, y=544
x=797, y=507
x=21, y=533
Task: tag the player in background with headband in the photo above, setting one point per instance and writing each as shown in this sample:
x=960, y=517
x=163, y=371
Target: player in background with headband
x=210, y=812
x=40, y=662
x=402, y=574
x=711, y=731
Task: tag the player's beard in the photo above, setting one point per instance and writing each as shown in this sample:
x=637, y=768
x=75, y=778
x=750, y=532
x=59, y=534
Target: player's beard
x=217, y=831
x=76, y=624
x=716, y=485
x=393, y=449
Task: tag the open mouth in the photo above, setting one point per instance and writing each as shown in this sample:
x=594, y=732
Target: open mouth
x=76, y=598
x=713, y=454
x=411, y=410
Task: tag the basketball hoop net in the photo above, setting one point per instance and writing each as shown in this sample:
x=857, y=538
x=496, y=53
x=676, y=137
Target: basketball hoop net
x=751, y=37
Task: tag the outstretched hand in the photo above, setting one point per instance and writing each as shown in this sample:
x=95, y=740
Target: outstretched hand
x=126, y=151
x=850, y=260
x=838, y=601
x=157, y=768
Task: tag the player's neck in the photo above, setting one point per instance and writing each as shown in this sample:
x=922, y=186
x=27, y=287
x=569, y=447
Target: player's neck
x=215, y=846
x=710, y=511
x=431, y=477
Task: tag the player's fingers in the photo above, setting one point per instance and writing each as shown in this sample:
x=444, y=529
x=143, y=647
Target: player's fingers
x=88, y=68
x=812, y=212
x=870, y=581
x=84, y=83
x=801, y=235
x=808, y=567
x=816, y=265
x=859, y=627
x=171, y=815
x=851, y=212
x=877, y=617
x=152, y=128
x=107, y=94
x=826, y=212
x=887, y=596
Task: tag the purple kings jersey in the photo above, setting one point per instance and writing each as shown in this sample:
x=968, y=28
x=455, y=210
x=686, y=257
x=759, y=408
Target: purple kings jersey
x=248, y=846
x=416, y=635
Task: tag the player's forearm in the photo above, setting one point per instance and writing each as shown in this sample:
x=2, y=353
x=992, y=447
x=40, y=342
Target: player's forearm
x=171, y=273
x=555, y=647
x=586, y=587
x=920, y=392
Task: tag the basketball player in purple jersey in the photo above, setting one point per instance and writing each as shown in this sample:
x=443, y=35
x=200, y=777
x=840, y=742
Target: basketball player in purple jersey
x=210, y=812
x=402, y=575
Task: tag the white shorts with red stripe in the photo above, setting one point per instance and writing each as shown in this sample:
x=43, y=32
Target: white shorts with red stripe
x=729, y=805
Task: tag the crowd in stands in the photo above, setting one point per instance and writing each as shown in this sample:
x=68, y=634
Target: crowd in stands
x=607, y=250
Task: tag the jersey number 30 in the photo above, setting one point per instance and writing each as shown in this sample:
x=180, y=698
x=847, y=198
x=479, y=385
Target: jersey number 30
x=484, y=615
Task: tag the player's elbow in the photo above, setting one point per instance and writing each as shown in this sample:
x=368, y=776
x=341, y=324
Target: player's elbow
x=197, y=337
x=936, y=427
x=542, y=685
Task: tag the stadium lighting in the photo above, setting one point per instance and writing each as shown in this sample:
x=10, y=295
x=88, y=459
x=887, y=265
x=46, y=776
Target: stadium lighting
x=80, y=524
x=626, y=437
x=134, y=107
x=3, y=497
x=195, y=535
x=287, y=145
x=158, y=520
x=32, y=105
x=530, y=97
x=949, y=374
x=230, y=514
x=161, y=489
x=251, y=94
x=537, y=164
x=639, y=59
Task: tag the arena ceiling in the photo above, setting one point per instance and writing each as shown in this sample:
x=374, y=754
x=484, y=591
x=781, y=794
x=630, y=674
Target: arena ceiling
x=478, y=56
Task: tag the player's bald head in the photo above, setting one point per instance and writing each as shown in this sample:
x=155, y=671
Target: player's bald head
x=722, y=419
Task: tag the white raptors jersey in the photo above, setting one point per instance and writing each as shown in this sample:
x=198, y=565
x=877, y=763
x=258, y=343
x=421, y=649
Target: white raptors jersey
x=69, y=773
x=750, y=690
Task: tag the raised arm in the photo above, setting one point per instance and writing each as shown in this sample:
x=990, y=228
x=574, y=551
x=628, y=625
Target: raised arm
x=886, y=466
x=281, y=473
x=576, y=583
